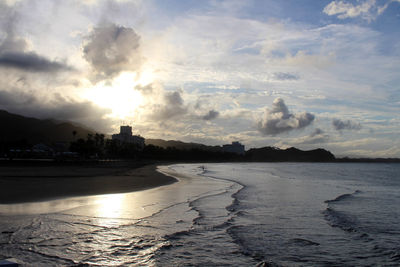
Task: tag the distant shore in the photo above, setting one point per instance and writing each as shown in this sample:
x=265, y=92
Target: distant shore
x=31, y=182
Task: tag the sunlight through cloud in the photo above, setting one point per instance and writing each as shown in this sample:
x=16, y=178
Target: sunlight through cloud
x=120, y=96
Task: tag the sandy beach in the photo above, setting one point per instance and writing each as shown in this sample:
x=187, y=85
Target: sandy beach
x=32, y=182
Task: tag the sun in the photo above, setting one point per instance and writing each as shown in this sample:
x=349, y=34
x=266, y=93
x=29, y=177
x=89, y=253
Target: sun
x=119, y=95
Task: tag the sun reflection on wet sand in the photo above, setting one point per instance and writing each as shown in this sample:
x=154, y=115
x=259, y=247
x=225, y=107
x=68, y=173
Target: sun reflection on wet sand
x=123, y=205
x=110, y=206
x=113, y=229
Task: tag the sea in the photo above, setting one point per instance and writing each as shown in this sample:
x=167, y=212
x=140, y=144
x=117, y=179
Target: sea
x=220, y=214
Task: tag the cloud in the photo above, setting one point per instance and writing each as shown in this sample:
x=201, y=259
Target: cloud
x=11, y=2
x=316, y=132
x=345, y=125
x=347, y=10
x=171, y=105
x=14, y=51
x=111, y=49
x=304, y=59
x=212, y=114
x=316, y=137
x=12, y=43
x=278, y=119
x=367, y=9
x=31, y=62
x=161, y=105
x=146, y=89
x=285, y=76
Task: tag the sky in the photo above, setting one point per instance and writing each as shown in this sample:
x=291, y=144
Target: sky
x=301, y=73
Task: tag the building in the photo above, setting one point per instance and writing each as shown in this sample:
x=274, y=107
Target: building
x=235, y=147
x=125, y=136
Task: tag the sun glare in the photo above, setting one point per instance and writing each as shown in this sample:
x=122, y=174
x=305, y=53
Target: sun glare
x=146, y=77
x=119, y=96
x=110, y=206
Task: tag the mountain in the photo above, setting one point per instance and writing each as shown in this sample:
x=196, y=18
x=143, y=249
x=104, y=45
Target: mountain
x=16, y=127
x=290, y=154
x=264, y=154
x=181, y=145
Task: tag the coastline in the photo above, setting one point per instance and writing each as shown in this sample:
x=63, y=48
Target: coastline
x=23, y=184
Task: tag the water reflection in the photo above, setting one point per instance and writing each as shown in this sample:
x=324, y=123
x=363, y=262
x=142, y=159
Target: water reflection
x=103, y=230
x=42, y=207
x=110, y=206
x=135, y=205
x=125, y=205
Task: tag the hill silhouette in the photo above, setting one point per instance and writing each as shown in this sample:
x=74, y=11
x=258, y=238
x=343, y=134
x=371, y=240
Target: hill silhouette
x=269, y=154
x=17, y=127
x=181, y=145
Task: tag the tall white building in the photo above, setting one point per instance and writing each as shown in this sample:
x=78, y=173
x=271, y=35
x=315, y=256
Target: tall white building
x=125, y=136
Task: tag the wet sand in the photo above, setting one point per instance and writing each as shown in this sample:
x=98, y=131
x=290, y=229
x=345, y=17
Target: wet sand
x=33, y=182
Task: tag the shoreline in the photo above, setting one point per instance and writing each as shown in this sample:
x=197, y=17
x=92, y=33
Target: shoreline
x=22, y=184
x=35, y=181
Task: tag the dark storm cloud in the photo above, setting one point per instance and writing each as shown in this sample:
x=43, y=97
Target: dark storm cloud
x=278, y=120
x=212, y=114
x=285, y=76
x=30, y=62
x=345, y=125
x=111, y=49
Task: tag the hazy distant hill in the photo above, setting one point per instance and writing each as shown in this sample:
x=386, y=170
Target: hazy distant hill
x=16, y=127
x=181, y=145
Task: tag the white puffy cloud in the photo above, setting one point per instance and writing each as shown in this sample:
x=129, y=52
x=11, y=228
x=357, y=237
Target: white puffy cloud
x=278, y=119
x=111, y=49
x=347, y=10
x=368, y=9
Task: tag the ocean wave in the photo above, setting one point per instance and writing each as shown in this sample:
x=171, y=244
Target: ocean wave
x=347, y=223
x=303, y=242
x=239, y=234
x=343, y=197
x=177, y=235
x=341, y=220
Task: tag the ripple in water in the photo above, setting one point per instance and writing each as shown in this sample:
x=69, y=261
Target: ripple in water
x=270, y=214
